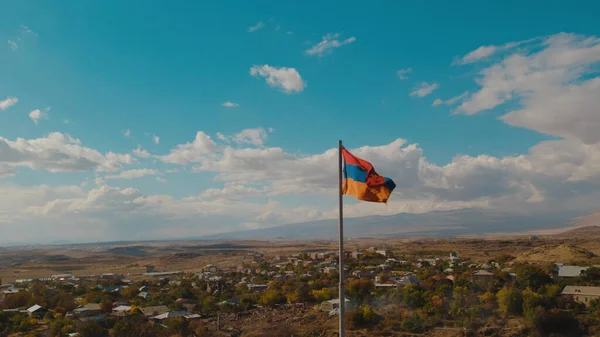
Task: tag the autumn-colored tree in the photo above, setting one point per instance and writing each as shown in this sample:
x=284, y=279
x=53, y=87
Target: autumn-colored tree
x=324, y=294
x=359, y=289
x=510, y=300
x=272, y=297
x=106, y=305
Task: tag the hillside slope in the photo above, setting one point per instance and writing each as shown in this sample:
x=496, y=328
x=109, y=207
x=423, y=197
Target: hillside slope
x=436, y=223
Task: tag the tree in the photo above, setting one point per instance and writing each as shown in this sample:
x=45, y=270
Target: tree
x=554, y=323
x=531, y=301
x=412, y=323
x=531, y=276
x=359, y=289
x=412, y=295
x=106, y=305
x=510, y=300
x=91, y=328
x=272, y=297
x=324, y=294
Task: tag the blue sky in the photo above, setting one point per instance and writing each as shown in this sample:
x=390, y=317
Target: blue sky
x=97, y=69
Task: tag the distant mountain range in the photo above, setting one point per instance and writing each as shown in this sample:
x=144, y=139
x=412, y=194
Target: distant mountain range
x=436, y=223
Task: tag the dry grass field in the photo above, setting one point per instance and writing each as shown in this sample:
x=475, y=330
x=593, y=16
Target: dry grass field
x=578, y=245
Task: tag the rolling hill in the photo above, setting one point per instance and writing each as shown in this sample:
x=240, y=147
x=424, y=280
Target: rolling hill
x=436, y=223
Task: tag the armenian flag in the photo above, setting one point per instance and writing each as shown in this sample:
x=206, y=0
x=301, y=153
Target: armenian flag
x=363, y=182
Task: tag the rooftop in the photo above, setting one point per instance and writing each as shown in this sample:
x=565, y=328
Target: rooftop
x=581, y=290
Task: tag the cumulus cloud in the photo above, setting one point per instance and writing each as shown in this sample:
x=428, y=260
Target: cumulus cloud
x=328, y=44
x=161, y=180
x=251, y=136
x=193, y=152
x=403, y=73
x=58, y=153
x=555, y=85
x=37, y=114
x=256, y=27
x=424, y=89
x=229, y=104
x=156, y=139
x=8, y=102
x=132, y=174
x=287, y=79
x=141, y=152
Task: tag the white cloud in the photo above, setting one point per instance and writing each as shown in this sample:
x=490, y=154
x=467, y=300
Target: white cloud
x=37, y=114
x=287, y=79
x=251, y=136
x=156, y=139
x=424, y=89
x=127, y=133
x=484, y=52
x=451, y=101
x=256, y=27
x=58, y=153
x=13, y=45
x=229, y=104
x=141, y=152
x=328, y=44
x=132, y=174
x=8, y=102
x=555, y=88
x=161, y=180
x=192, y=152
x=403, y=73
x=552, y=172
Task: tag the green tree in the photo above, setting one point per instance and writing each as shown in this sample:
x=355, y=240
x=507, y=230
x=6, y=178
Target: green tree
x=531, y=276
x=510, y=300
x=412, y=295
x=412, y=323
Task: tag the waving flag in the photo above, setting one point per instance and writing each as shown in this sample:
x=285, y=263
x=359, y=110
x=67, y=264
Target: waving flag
x=363, y=182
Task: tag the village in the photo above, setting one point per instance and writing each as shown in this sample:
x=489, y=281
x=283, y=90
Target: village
x=387, y=294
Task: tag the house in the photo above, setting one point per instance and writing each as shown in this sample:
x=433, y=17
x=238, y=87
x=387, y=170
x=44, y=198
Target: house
x=144, y=288
x=443, y=280
x=145, y=295
x=37, y=311
x=407, y=280
x=11, y=312
x=209, y=268
x=8, y=292
x=257, y=287
x=381, y=252
x=121, y=310
x=171, y=314
x=357, y=254
x=90, y=309
x=582, y=294
x=154, y=311
x=560, y=271
x=328, y=270
x=385, y=285
x=483, y=277
x=330, y=305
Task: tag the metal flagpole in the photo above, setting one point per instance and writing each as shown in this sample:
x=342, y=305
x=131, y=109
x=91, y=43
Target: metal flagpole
x=342, y=297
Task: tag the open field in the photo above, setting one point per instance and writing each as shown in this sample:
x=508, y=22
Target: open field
x=579, y=245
